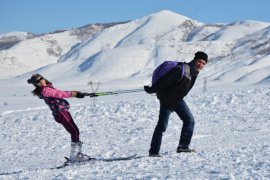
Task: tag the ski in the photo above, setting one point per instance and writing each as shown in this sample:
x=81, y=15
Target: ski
x=118, y=158
x=69, y=163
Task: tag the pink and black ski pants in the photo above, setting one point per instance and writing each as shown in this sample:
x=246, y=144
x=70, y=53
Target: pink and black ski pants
x=64, y=118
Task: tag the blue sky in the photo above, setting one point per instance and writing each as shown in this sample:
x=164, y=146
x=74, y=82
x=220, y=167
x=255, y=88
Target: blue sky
x=41, y=16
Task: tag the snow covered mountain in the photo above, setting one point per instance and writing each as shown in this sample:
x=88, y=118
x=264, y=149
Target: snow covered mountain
x=238, y=51
x=10, y=39
x=22, y=52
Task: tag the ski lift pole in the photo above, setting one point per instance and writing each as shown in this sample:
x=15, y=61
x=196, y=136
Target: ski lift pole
x=113, y=92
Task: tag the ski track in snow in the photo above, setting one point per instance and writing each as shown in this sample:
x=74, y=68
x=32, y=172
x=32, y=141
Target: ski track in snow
x=231, y=138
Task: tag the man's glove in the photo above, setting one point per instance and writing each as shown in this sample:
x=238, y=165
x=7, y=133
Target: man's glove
x=150, y=90
x=80, y=95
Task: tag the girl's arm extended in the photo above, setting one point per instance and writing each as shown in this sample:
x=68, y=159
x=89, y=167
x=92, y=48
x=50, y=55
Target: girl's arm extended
x=55, y=93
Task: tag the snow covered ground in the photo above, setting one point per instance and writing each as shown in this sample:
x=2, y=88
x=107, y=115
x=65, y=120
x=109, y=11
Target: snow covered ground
x=231, y=137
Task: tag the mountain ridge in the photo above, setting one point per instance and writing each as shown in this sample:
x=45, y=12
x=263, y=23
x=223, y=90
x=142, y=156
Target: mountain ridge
x=132, y=49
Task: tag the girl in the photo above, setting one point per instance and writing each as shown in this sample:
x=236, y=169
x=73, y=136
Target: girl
x=54, y=98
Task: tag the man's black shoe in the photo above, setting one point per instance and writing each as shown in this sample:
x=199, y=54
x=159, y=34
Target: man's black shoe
x=184, y=149
x=154, y=155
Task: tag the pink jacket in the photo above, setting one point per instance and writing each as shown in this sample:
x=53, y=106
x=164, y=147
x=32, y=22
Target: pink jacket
x=50, y=91
x=54, y=98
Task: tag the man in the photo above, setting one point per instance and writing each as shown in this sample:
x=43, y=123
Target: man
x=170, y=90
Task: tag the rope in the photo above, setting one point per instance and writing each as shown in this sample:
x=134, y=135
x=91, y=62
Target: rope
x=113, y=92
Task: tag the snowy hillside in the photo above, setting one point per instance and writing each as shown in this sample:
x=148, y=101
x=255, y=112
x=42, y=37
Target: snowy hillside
x=131, y=50
x=7, y=40
x=236, y=30
x=231, y=138
x=23, y=52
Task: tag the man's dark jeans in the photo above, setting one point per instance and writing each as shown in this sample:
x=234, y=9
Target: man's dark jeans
x=184, y=114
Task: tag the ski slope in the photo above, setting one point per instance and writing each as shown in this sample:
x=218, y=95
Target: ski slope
x=231, y=138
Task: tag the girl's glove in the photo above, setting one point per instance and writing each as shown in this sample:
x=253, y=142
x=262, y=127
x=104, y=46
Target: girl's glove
x=80, y=95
